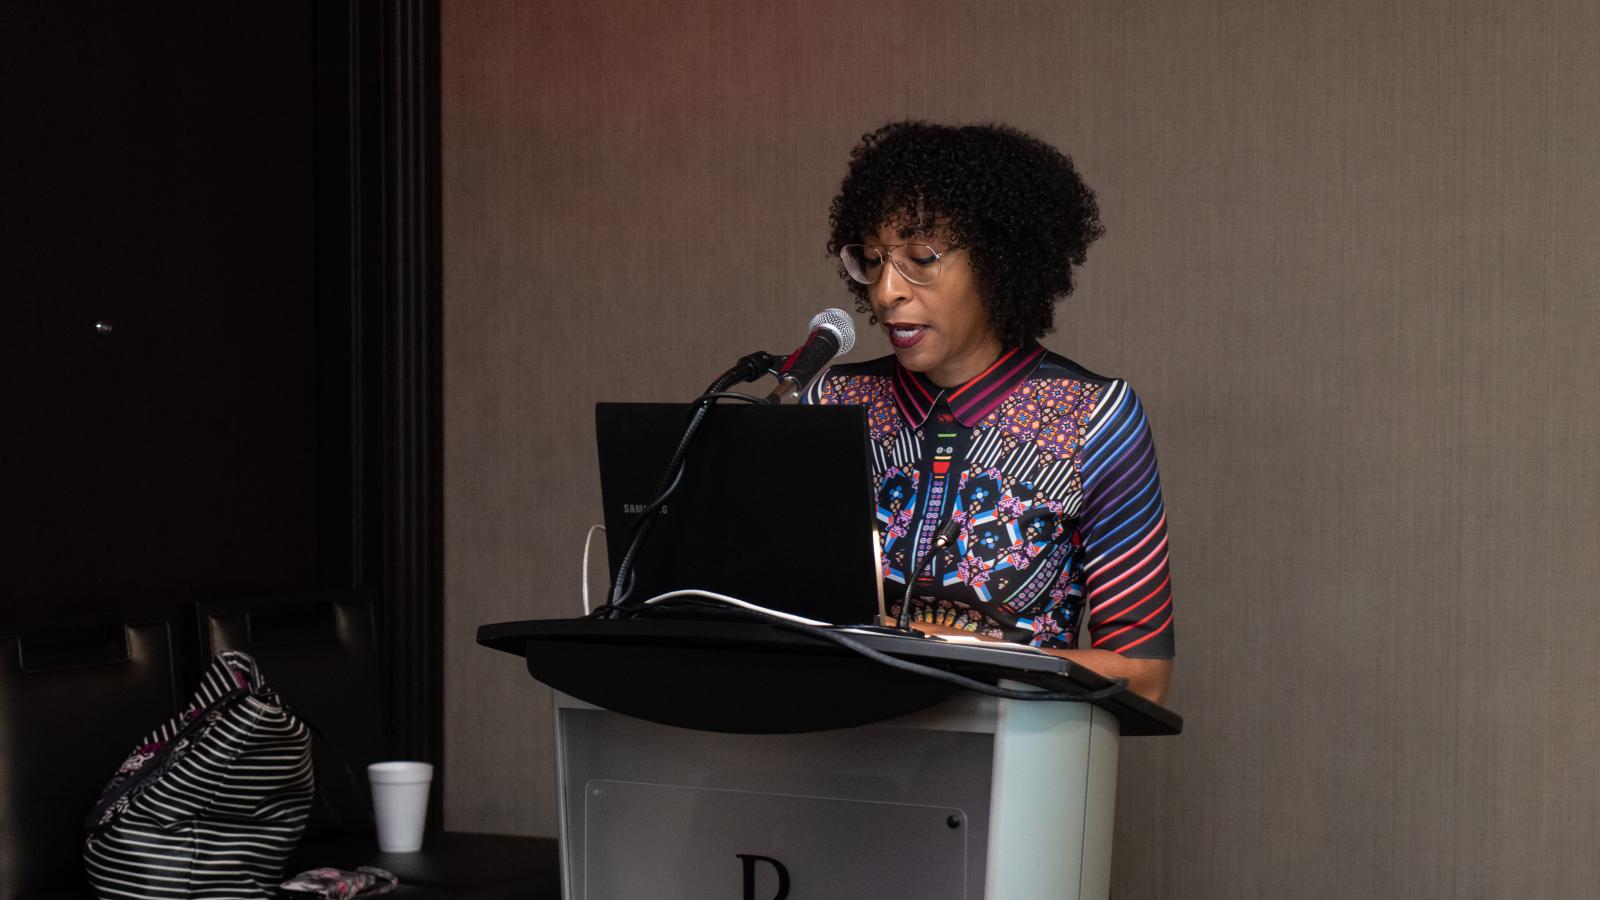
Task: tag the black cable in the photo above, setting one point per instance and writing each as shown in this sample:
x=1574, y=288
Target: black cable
x=941, y=540
x=749, y=368
x=669, y=480
x=646, y=516
x=726, y=395
x=830, y=634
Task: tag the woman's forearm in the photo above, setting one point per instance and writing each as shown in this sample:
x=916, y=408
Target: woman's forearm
x=1149, y=678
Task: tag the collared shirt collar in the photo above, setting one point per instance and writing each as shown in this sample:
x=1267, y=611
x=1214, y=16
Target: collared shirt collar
x=916, y=395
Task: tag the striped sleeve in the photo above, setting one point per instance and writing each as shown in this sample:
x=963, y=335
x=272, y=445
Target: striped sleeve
x=1123, y=526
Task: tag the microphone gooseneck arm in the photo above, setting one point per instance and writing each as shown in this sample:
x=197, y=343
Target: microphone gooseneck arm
x=831, y=334
x=941, y=539
x=748, y=368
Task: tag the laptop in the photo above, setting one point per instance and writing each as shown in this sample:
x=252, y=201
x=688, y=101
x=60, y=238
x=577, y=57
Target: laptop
x=775, y=506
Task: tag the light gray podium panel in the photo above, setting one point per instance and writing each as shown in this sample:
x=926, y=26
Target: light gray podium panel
x=1053, y=801
x=910, y=770
x=652, y=811
x=669, y=842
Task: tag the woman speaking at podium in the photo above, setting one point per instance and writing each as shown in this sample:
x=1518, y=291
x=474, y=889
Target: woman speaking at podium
x=959, y=242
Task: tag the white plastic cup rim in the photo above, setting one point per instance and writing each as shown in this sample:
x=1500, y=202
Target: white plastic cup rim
x=400, y=772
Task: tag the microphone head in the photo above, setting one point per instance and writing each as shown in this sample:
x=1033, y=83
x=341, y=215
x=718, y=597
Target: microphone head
x=839, y=322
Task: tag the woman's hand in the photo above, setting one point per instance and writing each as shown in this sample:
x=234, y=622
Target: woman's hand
x=1149, y=678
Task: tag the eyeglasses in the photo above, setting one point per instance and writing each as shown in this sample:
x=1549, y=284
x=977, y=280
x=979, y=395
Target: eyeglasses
x=916, y=263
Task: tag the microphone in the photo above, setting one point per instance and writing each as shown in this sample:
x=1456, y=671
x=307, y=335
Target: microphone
x=832, y=333
x=941, y=539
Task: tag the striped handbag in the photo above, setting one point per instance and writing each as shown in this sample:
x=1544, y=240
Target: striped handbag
x=211, y=803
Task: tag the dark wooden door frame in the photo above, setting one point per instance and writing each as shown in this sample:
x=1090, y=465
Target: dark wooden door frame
x=386, y=101
x=411, y=287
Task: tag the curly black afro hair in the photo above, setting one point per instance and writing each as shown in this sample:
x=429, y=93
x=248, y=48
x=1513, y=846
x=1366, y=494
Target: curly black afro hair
x=1016, y=203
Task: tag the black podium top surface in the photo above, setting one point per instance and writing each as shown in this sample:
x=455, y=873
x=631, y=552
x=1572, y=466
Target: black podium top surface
x=760, y=678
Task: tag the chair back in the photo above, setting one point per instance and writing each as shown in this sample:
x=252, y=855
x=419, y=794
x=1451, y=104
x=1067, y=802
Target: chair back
x=321, y=654
x=73, y=703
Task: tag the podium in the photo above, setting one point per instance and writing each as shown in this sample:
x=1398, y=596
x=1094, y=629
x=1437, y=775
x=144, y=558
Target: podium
x=705, y=759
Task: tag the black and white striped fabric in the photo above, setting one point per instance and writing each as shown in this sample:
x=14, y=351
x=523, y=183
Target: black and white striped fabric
x=212, y=802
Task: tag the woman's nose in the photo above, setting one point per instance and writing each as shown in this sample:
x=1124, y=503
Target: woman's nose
x=891, y=287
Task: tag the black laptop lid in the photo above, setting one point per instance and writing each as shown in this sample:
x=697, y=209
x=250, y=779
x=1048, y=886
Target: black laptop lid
x=775, y=507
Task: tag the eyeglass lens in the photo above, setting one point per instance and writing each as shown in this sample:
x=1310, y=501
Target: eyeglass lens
x=917, y=263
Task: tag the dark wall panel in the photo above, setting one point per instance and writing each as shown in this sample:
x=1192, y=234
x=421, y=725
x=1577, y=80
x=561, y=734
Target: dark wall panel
x=161, y=181
x=219, y=261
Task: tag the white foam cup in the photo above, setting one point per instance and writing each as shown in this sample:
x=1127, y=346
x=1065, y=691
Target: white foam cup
x=400, y=803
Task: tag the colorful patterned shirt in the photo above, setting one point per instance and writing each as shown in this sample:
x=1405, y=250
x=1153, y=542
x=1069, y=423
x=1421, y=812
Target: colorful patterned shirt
x=1050, y=471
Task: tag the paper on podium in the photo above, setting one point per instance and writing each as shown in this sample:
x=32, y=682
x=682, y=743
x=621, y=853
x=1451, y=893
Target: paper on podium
x=992, y=644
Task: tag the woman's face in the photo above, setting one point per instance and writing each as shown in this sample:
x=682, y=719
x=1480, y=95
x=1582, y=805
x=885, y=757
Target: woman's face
x=939, y=329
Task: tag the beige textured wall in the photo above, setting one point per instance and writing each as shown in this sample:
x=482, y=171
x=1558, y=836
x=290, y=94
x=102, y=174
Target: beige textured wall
x=1351, y=266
